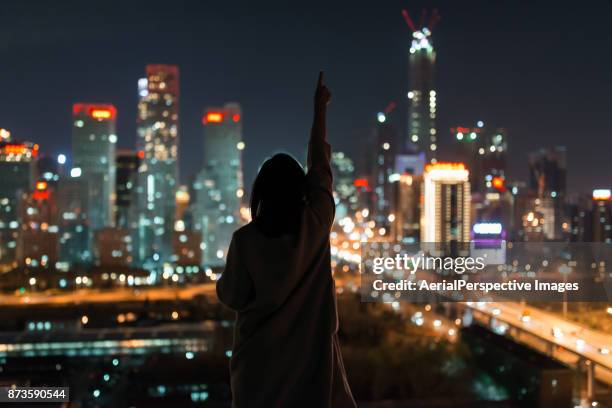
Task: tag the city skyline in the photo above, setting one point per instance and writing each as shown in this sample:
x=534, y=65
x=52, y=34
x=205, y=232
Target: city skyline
x=267, y=125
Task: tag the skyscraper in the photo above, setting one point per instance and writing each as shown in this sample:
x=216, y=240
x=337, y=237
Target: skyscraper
x=345, y=193
x=93, y=157
x=445, y=217
x=219, y=187
x=38, y=245
x=158, y=114
x=127, y=163
x=421, y=90
x=17, y=169
x=484, y=153
x=75, y=234
x=602, y=215
x=385, y=149
x=547, y=178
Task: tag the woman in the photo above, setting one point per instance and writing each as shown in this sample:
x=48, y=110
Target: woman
x=278, y=280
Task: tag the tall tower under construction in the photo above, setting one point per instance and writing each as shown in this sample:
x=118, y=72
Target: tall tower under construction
x=421, y=95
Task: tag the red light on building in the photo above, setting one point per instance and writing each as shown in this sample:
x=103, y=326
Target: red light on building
x=95, y=111
x=361, y=182
x=41, y=195
x=14, y=149
x=141, y=154
x=213, y=117
x=101, y=114
x=499, y=183
x=41, y=185
x=236, y=117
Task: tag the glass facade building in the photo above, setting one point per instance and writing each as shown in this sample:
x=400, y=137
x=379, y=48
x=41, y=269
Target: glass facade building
x=219, y=186
x=157, y=145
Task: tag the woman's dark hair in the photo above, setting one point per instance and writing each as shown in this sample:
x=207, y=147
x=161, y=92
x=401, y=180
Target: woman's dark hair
x=277, y=197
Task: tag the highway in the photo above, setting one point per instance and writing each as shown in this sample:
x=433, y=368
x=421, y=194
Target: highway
x=578, y=340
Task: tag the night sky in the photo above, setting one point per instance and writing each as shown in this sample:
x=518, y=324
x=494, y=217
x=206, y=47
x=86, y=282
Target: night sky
x=542, y=71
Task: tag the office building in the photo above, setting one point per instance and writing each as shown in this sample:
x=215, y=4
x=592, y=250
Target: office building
x=157, y=145
x=17, y=168
x=219, y=186
x=422, y=95
x=93, y=157
x=38, y=238
x=127, y=163
x=445, y=218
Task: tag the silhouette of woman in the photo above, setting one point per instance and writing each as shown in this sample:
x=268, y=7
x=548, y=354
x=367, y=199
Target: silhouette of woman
x=278, y=280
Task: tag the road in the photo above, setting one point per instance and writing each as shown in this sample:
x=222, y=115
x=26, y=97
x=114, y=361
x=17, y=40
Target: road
x=104, y=296
x=571, y=337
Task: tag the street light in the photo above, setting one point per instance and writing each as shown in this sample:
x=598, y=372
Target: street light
x=565, y=271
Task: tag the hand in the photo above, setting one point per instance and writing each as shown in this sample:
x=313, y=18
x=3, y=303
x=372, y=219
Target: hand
x=322, y=94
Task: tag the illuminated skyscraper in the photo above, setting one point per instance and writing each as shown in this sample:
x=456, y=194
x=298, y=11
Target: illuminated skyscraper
x=345, y=193
x=75, y=234
x=421, y=91
x=405, y=218
x=158, y=113
x=484, y=153
x=93, y=158
x=219, y=187
x=446, y=207
x=17, y=170
x=547, y=178
x=602, y=215
x=385, y=149
x=38, y=245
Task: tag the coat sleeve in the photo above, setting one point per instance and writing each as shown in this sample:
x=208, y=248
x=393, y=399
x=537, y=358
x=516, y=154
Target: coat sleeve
x=234, y=287
x=319, y=181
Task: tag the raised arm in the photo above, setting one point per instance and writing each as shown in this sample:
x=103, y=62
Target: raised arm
x=319, y=177
x=318, y=134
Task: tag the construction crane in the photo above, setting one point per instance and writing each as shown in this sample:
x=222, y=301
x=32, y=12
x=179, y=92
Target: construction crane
x=423, y=22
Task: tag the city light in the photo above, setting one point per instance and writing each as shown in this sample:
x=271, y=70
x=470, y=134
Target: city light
x=487, y=228
x=499, y=183
x=101, y=114
x=361, y=182
x=61, y=159
x=75, y=172
x=213, y=117
x=602, y=194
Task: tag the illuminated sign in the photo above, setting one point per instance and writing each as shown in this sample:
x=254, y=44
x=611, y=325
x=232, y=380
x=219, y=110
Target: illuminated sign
x=602, y=194
x=213, y=117
x=101, y=113
x=19, y=149
x=445, y=166
x=95, y=111
x=487, y=228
